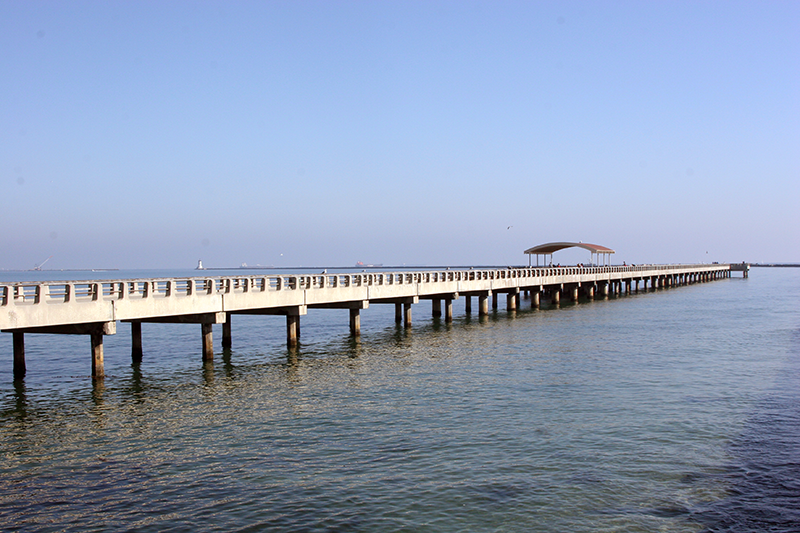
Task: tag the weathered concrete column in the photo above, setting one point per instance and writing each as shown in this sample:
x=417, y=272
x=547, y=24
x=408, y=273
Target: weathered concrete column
x=19, y=355
x=536, y=299
x=355, y=322
x=136, y=342
x=483, y=304
x=436, y=307
x=208, y=341
x=494, y=300
x=227, y=338
x=511, y=302
x=517, y=301
x=407, y=314
x=468, y=305
x=556, y=296
x=605, y=289
x=398, y=313
x=590, y=291
x=575, y=294
x=292, y=327
x=98, y=372
x=448, y=310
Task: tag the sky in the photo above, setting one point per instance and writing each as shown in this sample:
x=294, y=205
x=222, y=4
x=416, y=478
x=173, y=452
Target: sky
x=152, y=134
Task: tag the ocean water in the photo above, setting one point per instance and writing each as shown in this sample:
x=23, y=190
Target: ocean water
x=674, y=410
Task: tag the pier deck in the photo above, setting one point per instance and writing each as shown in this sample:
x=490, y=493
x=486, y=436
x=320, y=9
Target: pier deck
x=94, y=307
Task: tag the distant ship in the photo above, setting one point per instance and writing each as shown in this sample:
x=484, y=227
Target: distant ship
x=360, y=264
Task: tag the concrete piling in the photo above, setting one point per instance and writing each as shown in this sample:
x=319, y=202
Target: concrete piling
x=355, y=322
x=483, y=304
x=98, y=371
x=19, y=355
x=207, y=340
x=136, y=342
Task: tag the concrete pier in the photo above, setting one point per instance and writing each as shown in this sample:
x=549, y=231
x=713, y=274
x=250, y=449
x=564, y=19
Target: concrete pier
x=92, y=308
x=355, y=322
x=136, y=342
x=208, y=342
x=483, y=304
x=19, y=355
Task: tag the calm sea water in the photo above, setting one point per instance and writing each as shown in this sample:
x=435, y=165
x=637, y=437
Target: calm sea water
x=677, y=410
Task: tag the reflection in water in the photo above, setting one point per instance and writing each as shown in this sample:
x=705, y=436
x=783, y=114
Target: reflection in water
x=20, y=409
x=208, y=372
x=227, y=362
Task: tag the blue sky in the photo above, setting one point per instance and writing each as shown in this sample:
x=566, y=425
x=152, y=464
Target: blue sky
x=154, y=134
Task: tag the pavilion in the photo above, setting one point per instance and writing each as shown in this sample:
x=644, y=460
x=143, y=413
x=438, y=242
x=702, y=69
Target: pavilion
x=601, y=255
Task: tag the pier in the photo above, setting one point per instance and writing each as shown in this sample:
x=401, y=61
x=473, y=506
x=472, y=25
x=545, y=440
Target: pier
x=93, y=308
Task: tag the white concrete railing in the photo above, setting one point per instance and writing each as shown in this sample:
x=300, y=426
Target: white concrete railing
x=36, y=304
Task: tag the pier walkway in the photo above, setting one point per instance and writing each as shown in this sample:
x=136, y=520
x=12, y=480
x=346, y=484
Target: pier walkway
x=93, y=308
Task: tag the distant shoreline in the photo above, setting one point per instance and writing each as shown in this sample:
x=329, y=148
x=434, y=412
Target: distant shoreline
x=59, y=270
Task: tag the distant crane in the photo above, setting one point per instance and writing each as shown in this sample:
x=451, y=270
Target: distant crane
x=40, y=265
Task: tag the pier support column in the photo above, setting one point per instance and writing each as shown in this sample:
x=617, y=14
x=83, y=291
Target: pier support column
x=575, y=294
x=468, y=305
x=483, y=304
x=136, y=342
x=494, y=301
x=605, y=289
x=355, y=322
x=407, y=315
x=590, y=292
x=535, y=299
x=292, y=330
x=98, y=371
x=227, y=339
x=398, y=313
x=511, y=302
x=208, y=341
x=556, y=296
x=19, y=355
x=448, y=310
x=436, y=307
